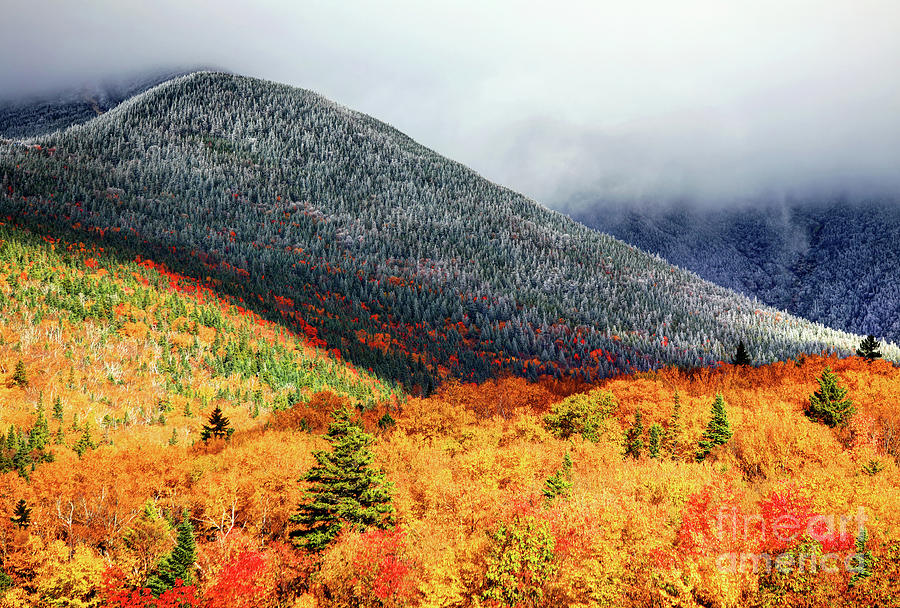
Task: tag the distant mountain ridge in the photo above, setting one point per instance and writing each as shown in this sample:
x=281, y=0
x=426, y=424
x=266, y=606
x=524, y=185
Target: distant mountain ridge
x=834, y=262
x=41, y=114
x=400, y=259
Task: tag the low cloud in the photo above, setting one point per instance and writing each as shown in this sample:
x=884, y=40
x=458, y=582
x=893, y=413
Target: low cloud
x=701, y=99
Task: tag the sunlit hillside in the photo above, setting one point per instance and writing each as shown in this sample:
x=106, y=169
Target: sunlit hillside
x=122, y=363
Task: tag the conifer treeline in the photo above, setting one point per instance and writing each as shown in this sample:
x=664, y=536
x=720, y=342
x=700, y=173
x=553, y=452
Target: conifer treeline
x=401, y=259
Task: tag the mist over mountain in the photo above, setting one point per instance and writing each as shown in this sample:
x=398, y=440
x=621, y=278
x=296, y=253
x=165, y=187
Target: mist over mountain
x=31, y=114
x=830, y=260
x=402, y=260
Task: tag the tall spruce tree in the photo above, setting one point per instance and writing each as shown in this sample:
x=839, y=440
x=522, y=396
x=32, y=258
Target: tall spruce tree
x=869, y=349
x=654, y=438
x=85, y=442
x=177, y=565
x=39, y=436
x=218, y=426
x=58, y=409
x=673, y=433
x=20, y=376
x=830, y=404
x=560, y=484
x=345, y=490
x=741, y=357
x=634, y=437
x=718, y=430
x=863, y=557
x=21, y=514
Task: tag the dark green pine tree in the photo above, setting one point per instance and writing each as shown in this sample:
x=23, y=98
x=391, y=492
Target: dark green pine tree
x=864, y=559
x=654, y=438
x=741, y=357
x=869, y=349
x=177, y=565
x=560, y=484
x=57, y=409
x=830, y=405
x=21, y=514
x=39, y=437
x=634, y=437
x=717, y=432
x=12, y=439
x=218, y=426
x=22, y=460
x=20, y=376
x=673, y=433
x=345, y=489
x=85, y=442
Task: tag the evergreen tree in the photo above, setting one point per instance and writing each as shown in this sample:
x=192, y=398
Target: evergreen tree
x=654, y=439
x=634, y=437
x=345, y=489
x=57, y=409
x=85, y=442
x=21, y=514
x=830, y=405
x=673, y=433
x=218, y=426
x=717, y=432
x=560, y=484
x=741, y=357
x=864, y=558
x=20, y=376
x=177, y=565
x=173, y=440
x=868, y=349
x=60, y=436
x=39, y=436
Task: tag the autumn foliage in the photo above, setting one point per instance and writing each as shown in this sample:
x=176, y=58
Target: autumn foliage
x=141, y=360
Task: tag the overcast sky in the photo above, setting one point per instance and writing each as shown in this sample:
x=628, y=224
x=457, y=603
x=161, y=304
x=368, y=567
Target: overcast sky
x=645, y=100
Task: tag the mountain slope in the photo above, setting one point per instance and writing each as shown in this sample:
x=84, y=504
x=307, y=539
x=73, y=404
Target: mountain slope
x=130, y=349
x=831, y=262
x=46, y=113
x=408, y=263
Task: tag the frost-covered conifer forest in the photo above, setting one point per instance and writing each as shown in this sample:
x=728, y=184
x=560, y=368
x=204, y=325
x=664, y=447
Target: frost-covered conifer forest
x=400, y=260
x=830, y=260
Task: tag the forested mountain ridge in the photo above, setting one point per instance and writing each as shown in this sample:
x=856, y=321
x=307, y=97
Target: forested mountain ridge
x=408, y=263
x=41, y=114
x=832, y=261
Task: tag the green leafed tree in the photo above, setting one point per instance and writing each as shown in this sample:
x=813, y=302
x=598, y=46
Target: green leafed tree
x=634, y=437
x=869, y=349
x=217, y=427
x=581, y=414
x=345, y=489
x=177, y=565
x=520, y=563
x=830, y=404
x=718, y=430
x=560, y=483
